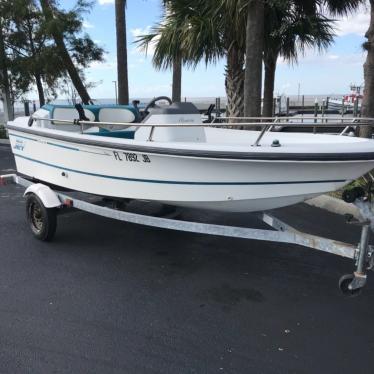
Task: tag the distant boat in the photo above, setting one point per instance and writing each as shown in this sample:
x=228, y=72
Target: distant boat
x=348, y=102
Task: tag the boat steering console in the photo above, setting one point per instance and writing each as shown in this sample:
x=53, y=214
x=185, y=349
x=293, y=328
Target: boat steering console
x=152, y=103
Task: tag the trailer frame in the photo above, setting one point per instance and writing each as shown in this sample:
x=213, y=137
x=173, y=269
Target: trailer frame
x=52, y=201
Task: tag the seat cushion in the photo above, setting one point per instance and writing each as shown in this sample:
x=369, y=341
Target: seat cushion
x=116, y=114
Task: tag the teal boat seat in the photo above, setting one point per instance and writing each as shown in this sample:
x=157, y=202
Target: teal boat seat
x=97, y=113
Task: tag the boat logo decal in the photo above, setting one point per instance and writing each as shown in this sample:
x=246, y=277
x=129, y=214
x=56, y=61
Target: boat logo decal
x=20, y=145
x=185, y=120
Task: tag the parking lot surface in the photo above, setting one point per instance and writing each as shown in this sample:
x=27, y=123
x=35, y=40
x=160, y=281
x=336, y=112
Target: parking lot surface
x=112, y=297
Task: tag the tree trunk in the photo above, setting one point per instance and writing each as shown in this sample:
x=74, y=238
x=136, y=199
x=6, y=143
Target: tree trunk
x=4, y=81
x=63, y=52
x=234, y=82
x=37, y=75
x=122, y=74
x=367, y=107
x=253, y=58
x=177, y=81
x=270, y=63
x=39, y=86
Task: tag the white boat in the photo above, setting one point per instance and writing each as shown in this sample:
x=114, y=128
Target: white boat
x=171, y=157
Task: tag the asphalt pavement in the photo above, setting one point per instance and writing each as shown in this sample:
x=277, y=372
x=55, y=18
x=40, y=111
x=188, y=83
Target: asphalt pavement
x=113, y=297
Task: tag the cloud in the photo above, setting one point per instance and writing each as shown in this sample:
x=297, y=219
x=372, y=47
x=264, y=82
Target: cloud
x=352, y=59
x=357, y=23
x=107, y=65
x=314, y=57
x=138, y=31
x=104, y=2
x=87, y=25
x=286, y=85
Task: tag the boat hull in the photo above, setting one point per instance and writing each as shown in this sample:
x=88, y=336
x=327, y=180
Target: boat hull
x=232, y=185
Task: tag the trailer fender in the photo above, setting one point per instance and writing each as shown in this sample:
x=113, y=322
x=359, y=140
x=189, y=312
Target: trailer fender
x=45, y=194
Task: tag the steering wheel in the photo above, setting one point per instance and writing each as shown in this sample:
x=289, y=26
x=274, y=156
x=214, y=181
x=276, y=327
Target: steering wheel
x=154, y=101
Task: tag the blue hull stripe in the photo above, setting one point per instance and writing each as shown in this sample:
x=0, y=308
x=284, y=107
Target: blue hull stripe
x=176, y=182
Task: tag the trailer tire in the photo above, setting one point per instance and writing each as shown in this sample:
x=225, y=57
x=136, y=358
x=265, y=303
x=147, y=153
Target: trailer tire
x=42, y=220
x=344, y=283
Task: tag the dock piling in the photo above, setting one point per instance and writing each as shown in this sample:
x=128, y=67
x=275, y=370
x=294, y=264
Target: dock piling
x=315, y=114
x=355, y=108
x=218, y=107
x=27, y=108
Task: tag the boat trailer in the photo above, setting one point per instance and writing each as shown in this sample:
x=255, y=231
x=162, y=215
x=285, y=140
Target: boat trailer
x=44, y=203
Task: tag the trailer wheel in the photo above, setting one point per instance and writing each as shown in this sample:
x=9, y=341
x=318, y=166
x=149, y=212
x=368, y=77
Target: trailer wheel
x=344, y=284
x=42, y=220
x=349, y=195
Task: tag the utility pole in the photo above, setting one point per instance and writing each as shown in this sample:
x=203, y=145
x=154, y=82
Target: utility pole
x=115, y=91
x=122, y=73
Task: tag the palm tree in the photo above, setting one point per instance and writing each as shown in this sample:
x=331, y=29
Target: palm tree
x=122, y=73
x=287, y=33
x=53, y=26
x=253, y=58
x=255, y=40
x=195, y=30
x=177, y=81
x=166, y=37
x=367, y=107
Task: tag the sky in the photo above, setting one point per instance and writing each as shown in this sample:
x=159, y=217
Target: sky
x=330, y=72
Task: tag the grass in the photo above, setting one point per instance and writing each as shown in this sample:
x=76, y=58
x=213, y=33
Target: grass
x=360, y=182
x=2, y=132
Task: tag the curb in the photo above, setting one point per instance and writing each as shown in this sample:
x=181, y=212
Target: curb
x=334, y=205
x=4, y=142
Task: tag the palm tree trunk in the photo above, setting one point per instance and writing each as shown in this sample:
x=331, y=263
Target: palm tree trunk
x=64, y=54
x=253, y=59
x=234, y=82
x=39, y=87
x=4, y=81
x=177, y=81
x=122, y=74
x=270, y=63
x=367, y=107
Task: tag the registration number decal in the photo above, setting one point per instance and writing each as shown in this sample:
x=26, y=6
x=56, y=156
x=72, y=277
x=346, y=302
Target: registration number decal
x=131, y=157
